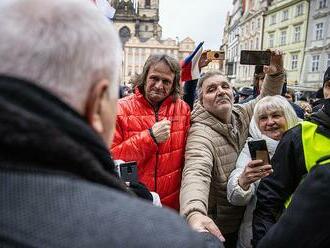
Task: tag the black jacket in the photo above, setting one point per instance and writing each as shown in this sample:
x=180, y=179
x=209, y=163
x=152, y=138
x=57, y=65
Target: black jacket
x=305, y=223
x=58, y=187
x=289, y=167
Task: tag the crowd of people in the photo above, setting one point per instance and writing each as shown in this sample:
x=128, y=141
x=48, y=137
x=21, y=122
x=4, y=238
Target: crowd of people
x=62, y=128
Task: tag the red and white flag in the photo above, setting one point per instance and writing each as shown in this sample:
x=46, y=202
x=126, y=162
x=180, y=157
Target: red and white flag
x=189, y=67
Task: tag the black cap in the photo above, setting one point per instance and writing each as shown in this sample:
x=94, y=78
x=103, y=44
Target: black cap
x=246, y=91
x=326, y=76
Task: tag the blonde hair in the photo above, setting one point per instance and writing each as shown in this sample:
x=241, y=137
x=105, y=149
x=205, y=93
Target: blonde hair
x=277, y=103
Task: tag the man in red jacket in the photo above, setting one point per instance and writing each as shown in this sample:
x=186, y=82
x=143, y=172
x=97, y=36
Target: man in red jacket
x=152, y=127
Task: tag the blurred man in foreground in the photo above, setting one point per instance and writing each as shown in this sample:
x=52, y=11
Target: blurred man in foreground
x=58, y=90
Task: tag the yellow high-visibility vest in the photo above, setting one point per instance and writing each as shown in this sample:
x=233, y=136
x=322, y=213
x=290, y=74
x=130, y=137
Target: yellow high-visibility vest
x=315, y=146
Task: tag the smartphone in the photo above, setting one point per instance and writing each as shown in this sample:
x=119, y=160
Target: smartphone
x=258, y=150
x=255, y=57
x=128, y=172
x=215, y=55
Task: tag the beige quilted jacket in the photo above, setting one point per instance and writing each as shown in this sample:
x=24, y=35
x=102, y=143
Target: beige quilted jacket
x=211, y=152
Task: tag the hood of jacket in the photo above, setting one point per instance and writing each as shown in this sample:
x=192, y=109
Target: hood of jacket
x=323, y=117
x=39, y=132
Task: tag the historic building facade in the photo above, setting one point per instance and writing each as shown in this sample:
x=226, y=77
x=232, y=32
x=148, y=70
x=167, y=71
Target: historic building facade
x=285, y=29
x=250, y=36
x=231, y=46
x=317, y=51
x=138, y=26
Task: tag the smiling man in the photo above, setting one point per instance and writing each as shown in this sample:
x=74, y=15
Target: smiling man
x=217, y=135
x=152, y=128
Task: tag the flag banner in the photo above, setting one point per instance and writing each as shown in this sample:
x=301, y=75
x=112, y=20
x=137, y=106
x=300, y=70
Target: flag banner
x=189, y=67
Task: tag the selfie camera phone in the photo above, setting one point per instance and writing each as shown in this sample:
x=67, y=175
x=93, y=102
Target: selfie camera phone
x=255, y=57
x=215, y=55
x=128, y=172
x=258, y=150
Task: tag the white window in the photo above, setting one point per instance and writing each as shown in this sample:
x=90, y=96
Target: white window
x=285, y=15
x=319, y=31
x=271, y=40
x=328, y=63
x=294, y=61
x=273, y=19
x=315, y=63
x=257, y=43
x=297, y=32
x=251, y=44
x=322, y=4
x=258, y=23
x=252, y=26
x=300, y=9
x=283, y=38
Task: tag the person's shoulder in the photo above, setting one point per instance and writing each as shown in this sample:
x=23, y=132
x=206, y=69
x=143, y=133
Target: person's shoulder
x=128, y=104
x=87, y=208
x=183, y=106
x=291, y=136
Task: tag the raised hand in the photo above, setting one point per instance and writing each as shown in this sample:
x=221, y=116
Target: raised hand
x=276, y=63
x=203, y=61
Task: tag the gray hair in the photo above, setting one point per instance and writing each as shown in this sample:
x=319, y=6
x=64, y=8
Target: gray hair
x=203, y=78
x=64, y=46
x=276, y=103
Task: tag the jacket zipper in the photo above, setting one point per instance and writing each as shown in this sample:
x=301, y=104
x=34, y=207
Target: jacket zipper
x=157, y=153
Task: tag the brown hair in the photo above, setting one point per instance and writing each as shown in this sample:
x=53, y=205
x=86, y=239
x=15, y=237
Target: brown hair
x=174, y=66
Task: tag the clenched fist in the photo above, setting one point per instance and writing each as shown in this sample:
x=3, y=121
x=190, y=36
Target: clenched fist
x=161, y=130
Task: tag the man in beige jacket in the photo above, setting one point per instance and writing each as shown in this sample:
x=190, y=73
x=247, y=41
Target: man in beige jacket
x=217, y=135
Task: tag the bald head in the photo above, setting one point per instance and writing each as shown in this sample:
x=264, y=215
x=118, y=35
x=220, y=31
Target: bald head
x=64, y=46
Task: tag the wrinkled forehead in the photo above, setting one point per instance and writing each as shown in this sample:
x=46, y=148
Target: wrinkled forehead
x=216, y=80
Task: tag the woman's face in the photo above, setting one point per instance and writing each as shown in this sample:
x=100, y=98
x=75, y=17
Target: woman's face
x=273, y=124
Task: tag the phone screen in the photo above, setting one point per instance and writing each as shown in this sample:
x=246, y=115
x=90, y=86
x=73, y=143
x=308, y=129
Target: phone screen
x=258, y=150
x=128, y=172
x=255, y=57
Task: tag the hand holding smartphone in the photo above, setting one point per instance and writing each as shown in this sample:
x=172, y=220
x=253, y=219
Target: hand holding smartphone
x=258, y=167
x=128, y=172
x=249, y=57
x=258, y=150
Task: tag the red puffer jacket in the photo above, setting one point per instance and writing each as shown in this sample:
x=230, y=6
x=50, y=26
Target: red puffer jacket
x=159, y=166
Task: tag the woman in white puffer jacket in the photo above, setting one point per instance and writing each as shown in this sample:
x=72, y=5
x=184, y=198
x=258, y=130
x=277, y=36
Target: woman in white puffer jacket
x=272, y=116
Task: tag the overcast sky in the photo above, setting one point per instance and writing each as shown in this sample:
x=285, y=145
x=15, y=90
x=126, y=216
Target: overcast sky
x=198, y=19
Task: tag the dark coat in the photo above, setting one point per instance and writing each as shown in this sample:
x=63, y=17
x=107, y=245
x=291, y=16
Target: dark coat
x=305, y=223
x=58, y=187
x=289, y=168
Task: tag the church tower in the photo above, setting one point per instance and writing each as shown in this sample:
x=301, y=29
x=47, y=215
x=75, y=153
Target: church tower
x=148, y=11
x=137, y=18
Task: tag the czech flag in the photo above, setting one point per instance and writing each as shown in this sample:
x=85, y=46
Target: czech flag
x=189, y=67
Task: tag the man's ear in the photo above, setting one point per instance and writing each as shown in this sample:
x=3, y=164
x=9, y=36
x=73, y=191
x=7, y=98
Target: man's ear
x=93, y=104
